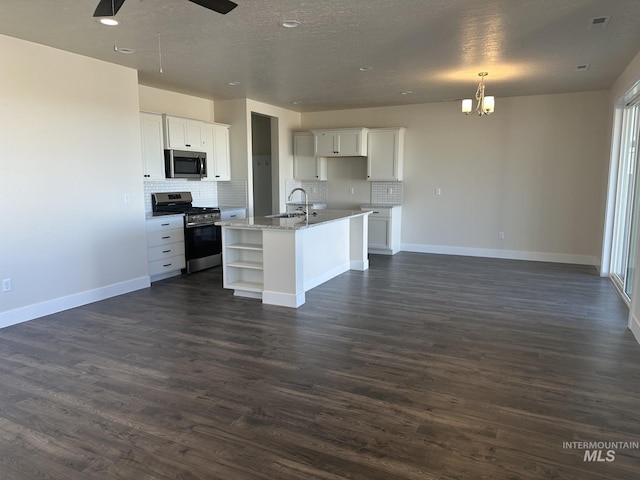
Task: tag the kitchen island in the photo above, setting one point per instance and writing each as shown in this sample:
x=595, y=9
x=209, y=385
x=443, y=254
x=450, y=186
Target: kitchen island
x=278, y=259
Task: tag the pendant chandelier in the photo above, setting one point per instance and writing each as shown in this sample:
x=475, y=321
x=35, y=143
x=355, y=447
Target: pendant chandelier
x=485, y=106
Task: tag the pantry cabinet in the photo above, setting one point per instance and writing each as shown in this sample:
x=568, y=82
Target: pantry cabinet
x=386, y=154
x=152, y=146
x=343, y=142
x=306, y=166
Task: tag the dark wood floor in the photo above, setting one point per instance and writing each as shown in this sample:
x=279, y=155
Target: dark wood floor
x=425, y=367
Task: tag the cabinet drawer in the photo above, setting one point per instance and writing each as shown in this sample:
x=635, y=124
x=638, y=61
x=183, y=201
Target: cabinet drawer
x=166, y=265
x=165, y=237
x=382, y=212
x=165, y=251
x=165, y=223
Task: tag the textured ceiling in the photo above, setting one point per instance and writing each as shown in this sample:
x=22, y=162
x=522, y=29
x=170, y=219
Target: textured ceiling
x=432, y=48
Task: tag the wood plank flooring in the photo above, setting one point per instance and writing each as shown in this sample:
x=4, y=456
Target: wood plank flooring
x=424, y=367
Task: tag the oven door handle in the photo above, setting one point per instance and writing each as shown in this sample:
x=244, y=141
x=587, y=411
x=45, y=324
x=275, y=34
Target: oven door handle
x=196, y=225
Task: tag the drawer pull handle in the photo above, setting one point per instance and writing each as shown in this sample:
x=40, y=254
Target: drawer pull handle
x=164, y=238
x=166, y=251
x=233, y=216
x=375, y=212
x=167, y=265
x=165, y=224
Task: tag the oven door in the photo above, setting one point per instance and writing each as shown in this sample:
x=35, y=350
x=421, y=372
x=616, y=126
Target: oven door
x=203, y=247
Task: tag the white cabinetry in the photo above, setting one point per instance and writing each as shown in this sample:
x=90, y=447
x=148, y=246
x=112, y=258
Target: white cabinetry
x=194, y=135
x=152, y=146
x=165, y=246
x=233, y=214
x=215, y=143
x=384, y=229
x=306, y=166
x=182, y=133
x=243, y=262
x=386, y=154
x=344, y=142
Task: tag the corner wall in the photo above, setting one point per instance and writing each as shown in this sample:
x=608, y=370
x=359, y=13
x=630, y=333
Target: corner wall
x=70, y=142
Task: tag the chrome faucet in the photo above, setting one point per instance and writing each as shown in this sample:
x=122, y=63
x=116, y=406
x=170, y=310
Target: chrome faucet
x=306, y=198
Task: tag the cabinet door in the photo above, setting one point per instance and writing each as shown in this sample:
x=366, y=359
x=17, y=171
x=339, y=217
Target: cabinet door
x=193, y=139
x=306, y=166
x=386, y=149
x=175, y=132
x=378, y=233
x=207, y=137
x=325, y=144
x=348, y=144
x=152, y=146
x=221, y=153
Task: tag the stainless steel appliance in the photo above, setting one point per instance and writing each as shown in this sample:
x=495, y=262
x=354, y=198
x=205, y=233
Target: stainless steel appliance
x=185, y=164
x=203, y=239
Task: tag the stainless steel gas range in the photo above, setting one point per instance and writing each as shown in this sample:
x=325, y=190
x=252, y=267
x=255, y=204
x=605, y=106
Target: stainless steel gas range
x=203, y=239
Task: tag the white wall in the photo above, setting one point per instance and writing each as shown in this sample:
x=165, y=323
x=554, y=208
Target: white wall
x=164, y=101
x=238, y=114
x=70, y=143
x=535, y=170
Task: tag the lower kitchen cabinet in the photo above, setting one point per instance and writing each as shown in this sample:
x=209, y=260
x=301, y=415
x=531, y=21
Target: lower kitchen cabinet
x=233, y=213
x=384, y=229
x=165, y=246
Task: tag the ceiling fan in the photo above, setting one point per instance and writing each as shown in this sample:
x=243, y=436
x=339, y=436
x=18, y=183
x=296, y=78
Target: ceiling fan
x=108, y=8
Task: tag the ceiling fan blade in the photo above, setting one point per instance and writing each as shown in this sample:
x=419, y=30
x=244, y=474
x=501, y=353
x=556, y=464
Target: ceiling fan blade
x=108, y=8
x=220, y=6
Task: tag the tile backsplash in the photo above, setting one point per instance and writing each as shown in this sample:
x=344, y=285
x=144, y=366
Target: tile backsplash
x=386, y=193
x=205, y=194
x=316, y=190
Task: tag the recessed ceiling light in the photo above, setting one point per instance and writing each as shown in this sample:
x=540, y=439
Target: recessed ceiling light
x=297, y=102
x=406, y=92
x=365, y=69
x=233, y=84
x=291, y=23
x=109, y=21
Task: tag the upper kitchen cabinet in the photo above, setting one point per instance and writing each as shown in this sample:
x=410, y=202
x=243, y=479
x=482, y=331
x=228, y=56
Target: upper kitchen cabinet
x=182, y=133
x=386, y=154
x=152, y=146
x=306, y=166
x=215, y=143
x=344, y=142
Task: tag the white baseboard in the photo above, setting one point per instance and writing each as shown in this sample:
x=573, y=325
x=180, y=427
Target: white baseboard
x=358, y=265
x=506, y=254
x=326, y=276
x=30, y=312
x=634, y=326
x=283, y=299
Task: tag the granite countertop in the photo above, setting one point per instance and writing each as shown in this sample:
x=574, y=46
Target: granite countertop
x=298, y=222
x=380, y=205
x=151, y=216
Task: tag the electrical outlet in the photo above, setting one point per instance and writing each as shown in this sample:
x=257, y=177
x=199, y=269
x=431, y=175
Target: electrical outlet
x=352, y=190
x=6, y=285
x=390, y=191
x=127, y=199
x=438, y=191
x=501, y=235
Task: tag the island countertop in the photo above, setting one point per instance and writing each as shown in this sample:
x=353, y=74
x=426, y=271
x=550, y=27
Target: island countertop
x=297, y=222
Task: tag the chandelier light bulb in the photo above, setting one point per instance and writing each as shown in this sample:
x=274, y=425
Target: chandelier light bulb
x=485, y=105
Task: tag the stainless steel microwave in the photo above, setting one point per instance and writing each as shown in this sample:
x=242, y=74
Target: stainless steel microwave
x=185, y=164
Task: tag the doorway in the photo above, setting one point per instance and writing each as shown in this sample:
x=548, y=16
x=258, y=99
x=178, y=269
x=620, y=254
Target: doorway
x=262, y=164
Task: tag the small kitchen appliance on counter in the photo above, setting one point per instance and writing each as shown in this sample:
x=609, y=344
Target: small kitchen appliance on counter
x=203, y=239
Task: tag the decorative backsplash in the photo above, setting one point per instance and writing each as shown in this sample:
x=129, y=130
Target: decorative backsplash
x=386, y=193
x=232, y=194
x=317, y=191
x=205, y=194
